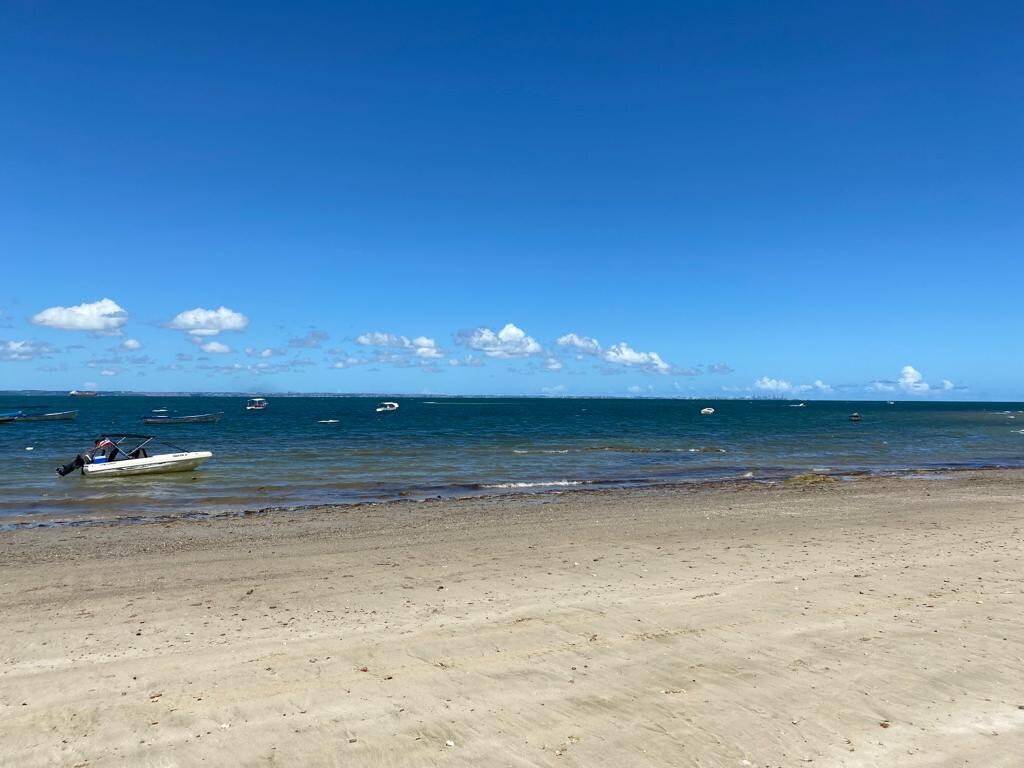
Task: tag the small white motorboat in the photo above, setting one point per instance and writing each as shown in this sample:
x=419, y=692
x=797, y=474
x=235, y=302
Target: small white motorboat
x=128, y=454
x=256, y=404
x=706, y=411
x=327, y=421
x=387, y=406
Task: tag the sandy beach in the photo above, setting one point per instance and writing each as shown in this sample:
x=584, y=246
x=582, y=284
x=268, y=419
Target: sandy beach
x=877, y=622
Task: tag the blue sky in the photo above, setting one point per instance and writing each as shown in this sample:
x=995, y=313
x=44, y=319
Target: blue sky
x=809, y=199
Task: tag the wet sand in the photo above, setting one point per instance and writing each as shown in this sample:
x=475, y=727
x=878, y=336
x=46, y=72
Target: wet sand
x=878, y=622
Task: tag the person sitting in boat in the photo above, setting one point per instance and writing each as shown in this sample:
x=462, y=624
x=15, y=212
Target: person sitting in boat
x=101, y=447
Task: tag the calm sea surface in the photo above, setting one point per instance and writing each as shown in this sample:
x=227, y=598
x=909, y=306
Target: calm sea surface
x=283, y=456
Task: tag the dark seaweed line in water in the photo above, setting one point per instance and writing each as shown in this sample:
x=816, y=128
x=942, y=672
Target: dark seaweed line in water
x=477, y=491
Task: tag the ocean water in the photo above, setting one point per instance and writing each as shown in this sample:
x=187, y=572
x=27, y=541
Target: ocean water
x=283, y=456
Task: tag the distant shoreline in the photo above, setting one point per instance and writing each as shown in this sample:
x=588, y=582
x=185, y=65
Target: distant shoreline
x=528, y=396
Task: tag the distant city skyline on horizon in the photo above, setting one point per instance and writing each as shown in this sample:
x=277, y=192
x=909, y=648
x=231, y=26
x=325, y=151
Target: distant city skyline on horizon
x=667, y=200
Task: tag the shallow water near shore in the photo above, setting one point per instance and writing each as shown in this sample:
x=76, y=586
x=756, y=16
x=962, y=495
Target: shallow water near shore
x=285, y=457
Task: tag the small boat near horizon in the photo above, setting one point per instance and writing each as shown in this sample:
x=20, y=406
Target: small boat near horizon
x=36, y=413
x=120, y=454
x=199, y=418
x=256, y=404
x=706, y=411
x=854, y=417
x=77, y=393
x=386, y=407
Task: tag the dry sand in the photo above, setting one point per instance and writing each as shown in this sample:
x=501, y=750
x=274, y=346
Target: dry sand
x=868, y=623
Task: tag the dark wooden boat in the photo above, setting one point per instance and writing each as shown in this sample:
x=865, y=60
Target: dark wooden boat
x=36, y=413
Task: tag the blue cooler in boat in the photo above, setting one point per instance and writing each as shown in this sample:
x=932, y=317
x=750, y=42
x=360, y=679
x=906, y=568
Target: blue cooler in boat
x=99, y=460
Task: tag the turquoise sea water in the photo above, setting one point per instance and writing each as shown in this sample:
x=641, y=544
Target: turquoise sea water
x=435, y=446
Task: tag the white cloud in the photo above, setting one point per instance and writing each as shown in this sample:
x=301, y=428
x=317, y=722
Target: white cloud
x=782, y=386
x=421, y=347
x=131, y=344
x=721, y=368
x=264, y=353
x=103, y=316
x=215, y=347
x=553, y=364
x=584, y=343
x=509, y=342
x=108, y=372
x=312, y=340
x=623, y=354
x=555, y=390
x=428, y=353
x=378, y=339
x=348, y=361
x=773, y=385
x=912, y=382
x=21, y=351
x=469, y=361
x=209, y=322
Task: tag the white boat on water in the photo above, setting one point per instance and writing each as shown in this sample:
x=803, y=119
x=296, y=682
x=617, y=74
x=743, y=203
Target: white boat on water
x=387, y=406
x=706, y=411
x=256, y=404
x=127, y=454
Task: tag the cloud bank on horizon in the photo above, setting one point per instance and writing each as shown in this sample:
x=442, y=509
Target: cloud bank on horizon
x=569, y=354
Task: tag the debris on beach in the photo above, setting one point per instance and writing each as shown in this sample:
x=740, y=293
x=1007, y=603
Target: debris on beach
x=808, y=480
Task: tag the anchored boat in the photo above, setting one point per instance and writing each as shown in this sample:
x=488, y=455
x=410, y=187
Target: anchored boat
x=36, y=413
x=256, y=404
x=114, y=455
x=199, y=418
x=387, y=406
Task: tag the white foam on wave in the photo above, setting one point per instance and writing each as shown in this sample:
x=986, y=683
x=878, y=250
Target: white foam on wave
x=550, y=484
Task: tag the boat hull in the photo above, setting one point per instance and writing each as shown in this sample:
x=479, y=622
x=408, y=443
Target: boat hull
x=57, y=416
x=151, y=465
x=203, y=418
